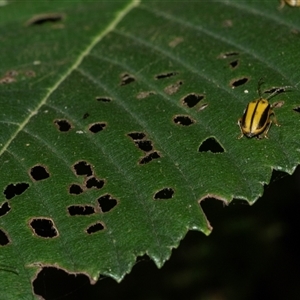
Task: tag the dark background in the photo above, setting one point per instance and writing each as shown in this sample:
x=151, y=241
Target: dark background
x=252, y=253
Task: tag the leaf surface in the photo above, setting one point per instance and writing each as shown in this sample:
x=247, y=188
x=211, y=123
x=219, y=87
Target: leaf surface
x=119, y=117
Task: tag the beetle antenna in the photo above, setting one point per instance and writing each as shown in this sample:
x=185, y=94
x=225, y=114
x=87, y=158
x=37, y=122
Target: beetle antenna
x=259, y=84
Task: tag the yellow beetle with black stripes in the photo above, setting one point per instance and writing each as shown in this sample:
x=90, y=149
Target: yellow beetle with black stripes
x=289, y=2
x=256, y=120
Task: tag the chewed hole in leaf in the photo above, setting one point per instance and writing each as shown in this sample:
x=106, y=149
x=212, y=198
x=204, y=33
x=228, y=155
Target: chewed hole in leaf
x=145, y=94
x=81, y=210
x=96, y=127
x=13, y=190
x=173, y=88
x=30, y=73
x=95, y=228
x=4, y=209
x=149, y=157
x=63, y=125
x=107, y=203
x=145, y=145
x=52, y=283
x=43, y=227
x=176, y=41
x=7, y=80
x=278, y=90
x=166, y=75
x=297, y=109
x=238, y=82
x=103, y=99
x=211, y=145
x=39, y=172
x=86, y=115
x=166, y=193
x=94, y=182
x=126, y=78
x=45, y=18
x=228, y=54
x=75, y=189
x=277, y=104
x=191, y=100
x=82, y=168
x=4, y=240
x=233, y=64
x=137, y=135
x=183, y=120
x=12, y=73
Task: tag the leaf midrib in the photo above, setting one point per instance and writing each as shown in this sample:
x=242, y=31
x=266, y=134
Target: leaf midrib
x=119, y=17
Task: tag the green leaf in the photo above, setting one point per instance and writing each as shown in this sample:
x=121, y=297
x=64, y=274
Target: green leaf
x=118, y=118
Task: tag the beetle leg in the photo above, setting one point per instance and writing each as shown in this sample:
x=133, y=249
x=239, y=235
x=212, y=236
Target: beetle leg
x=265, y=134
x=274, y=119
x=282, y=3
x=242, y=133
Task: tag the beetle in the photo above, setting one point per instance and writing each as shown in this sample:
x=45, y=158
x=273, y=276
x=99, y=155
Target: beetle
x=256, y=120
x=289, y=2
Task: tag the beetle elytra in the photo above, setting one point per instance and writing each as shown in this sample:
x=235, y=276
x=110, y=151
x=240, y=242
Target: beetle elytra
x=289, y=2
x=259, y=115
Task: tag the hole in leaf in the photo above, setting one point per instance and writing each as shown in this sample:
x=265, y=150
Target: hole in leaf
x=278, y=104
x=227, y=23
x=228, y=54
x=238, y=82
x=95, y=228
x=107, y=203
x=212, y=145
x=94, y=128
x=43, y=227
x=53, y=283
x=45, y=18
x=278, y=90
x=86, y=115
x=13, y=190
x=143, y=95
x=4, y=209
x=192, y=99
x=297, y=109
x=7, y=80
x=126, y=79
x=137, y=135
x=144, y=145
x=30, y=73
x=4, y=240
x=39, y=173
x=234, y=63
x=146, y=159
x=166, y=75
x=176, y=41
x=63, y=125
x=166, y=193
x=75, y=189
x=103, y=99
x=94, y=182
x=81, y=210
x=173, y=88
x=183, y=120
x=12, y=73
x=83, y=168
